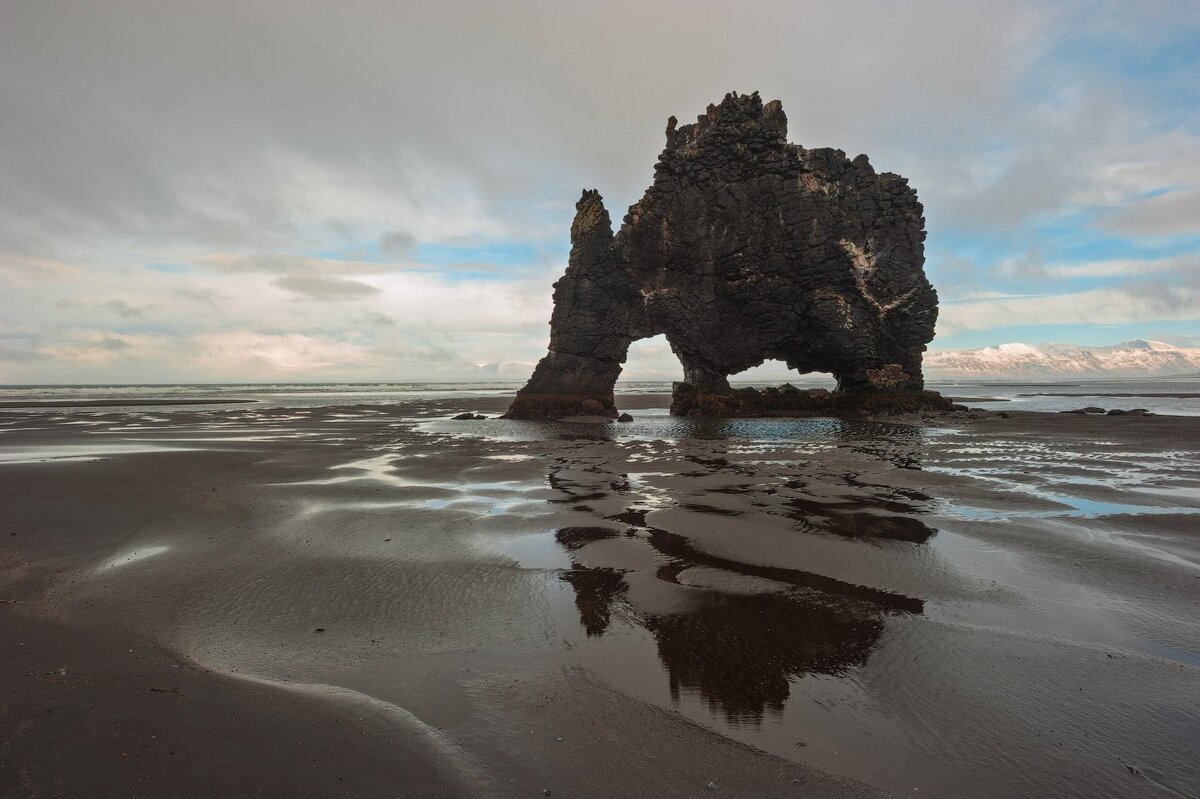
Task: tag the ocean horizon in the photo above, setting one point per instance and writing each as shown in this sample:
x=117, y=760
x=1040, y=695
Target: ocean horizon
x=1164, y=395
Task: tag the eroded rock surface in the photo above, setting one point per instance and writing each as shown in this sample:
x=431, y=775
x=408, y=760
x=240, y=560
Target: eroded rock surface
x=745, y=248
x=787, y=400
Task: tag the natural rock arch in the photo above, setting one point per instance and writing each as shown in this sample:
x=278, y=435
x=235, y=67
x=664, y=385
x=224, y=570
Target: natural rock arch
x=745, y=248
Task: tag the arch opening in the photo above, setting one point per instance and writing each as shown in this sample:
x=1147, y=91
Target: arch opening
x=774, y=373
x=649, y=362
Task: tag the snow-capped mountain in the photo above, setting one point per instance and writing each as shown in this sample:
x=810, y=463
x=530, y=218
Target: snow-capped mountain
x=1138, y=358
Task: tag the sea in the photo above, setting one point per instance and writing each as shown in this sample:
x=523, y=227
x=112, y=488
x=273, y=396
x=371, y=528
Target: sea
x=1173, y=396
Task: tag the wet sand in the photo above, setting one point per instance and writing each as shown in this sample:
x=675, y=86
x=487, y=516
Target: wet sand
x=381, y=601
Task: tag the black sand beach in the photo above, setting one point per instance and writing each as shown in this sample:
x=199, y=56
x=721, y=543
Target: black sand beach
x=381, y=601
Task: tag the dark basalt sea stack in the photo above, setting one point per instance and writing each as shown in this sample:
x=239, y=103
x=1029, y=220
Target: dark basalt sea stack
x=745, y=248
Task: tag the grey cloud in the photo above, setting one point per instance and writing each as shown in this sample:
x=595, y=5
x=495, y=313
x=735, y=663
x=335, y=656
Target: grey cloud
x=397, y=243
x=1029, y=265
x=19, y=351
x=111, y=343
x=288, y=264
x=260, y=263
x=203, y=296
x=954, y=274
x=1172, y=214
x=42, y=270
x=414, y=347
x=1034, y=184
x=468, y=266
x=123, y=309
x=273, y=263
x=1171, y=294
x=325, y=289
x=1183, y=266
x=124, y=124
x=376, y=318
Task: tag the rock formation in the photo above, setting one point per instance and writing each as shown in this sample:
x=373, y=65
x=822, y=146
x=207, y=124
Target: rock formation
x=745, y=248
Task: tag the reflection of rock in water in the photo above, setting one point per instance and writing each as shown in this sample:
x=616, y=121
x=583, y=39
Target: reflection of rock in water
x=740, y=651
x=595, y=592
x=848, y=519
x=686, y=555
x=897, y=444
x=578, y=537
x=896, y=528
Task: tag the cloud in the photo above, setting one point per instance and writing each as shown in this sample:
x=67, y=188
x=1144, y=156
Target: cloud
x=517, y=371
x=1034, y=183
x=28, y=268
x=375, y=318
x=397, y=243
x=976, y=296
x=204, y=296
x=1094, y=307
x=123, y=309
x=1091, y=151
x=287, y=264
x=247, y=353
x=324, y=288
x=17, y=351
x=1032, y=268
x=1124, y=267
x=457, y=130
x=1175, y=213
x=94, y=347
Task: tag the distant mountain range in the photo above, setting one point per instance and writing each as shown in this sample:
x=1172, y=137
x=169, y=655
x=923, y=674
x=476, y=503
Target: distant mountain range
x=1138, y=358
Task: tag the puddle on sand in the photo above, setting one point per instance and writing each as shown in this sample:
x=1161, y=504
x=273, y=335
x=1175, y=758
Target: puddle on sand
x=535, y=551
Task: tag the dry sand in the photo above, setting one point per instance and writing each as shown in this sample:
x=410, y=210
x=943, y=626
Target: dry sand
x=380, y=601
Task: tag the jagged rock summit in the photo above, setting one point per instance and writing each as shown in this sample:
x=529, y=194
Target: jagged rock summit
x=745, y=248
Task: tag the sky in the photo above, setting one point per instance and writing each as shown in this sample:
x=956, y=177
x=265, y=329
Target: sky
x=377, y=190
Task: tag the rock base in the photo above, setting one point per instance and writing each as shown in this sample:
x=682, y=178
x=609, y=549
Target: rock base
x=559, y=406
x=787, y=400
